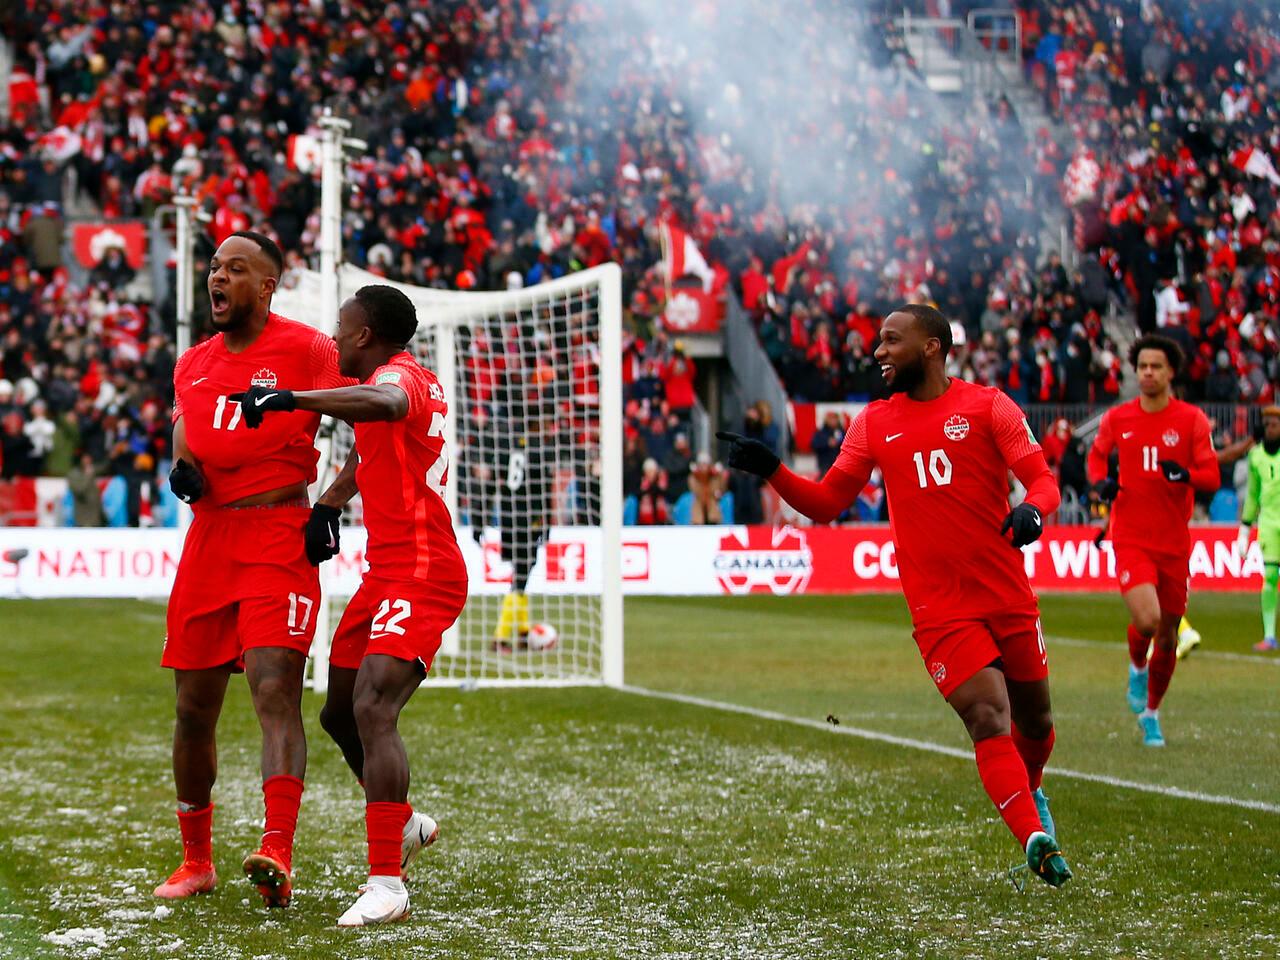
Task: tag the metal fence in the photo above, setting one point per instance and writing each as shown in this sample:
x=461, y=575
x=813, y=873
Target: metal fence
x=1238, y=420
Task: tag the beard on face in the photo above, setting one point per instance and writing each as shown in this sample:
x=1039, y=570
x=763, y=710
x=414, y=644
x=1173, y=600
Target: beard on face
x=907, y=378
x=236, y=317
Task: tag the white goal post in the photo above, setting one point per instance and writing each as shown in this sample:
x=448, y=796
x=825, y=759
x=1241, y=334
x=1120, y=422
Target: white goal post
x=533, y=379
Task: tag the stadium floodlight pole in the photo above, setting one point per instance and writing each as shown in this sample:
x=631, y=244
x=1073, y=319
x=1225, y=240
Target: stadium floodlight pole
x=333, y=144
x=330, y=216
x=185, y=213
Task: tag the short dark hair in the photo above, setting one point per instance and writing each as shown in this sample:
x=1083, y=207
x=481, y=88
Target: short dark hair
x=934, y=323
x=391, y=314
x=267, y=246
x=1153, y=341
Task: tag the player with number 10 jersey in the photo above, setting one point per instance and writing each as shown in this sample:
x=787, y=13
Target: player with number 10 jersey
x=945, y=448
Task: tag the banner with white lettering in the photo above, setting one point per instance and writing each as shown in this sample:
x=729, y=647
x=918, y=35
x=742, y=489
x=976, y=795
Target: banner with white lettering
x=705, y=561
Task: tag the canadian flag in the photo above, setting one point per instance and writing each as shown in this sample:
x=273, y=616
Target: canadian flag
x=304, y=153
x=60, y=144
x=680, y=256
x=1254, y=161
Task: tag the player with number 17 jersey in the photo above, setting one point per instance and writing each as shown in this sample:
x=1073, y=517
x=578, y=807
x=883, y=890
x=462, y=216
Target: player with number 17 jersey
x=243, y=579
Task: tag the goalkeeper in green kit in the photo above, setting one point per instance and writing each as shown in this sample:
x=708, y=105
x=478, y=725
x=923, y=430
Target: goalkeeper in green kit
x=1262, y=506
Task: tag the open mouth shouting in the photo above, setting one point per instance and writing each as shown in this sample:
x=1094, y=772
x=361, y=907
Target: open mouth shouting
x=220, y=302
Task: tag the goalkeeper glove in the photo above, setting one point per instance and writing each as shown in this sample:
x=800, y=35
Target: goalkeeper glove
x=1242, y=540
x=749, y=456
x=256, y=401
x=321, y=534
x=185, y=482
x=1174, y=472
x=1025, y=522
x=1106, y=490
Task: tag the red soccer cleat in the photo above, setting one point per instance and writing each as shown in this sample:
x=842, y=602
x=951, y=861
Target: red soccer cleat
x=269, y=872
x=194, y=876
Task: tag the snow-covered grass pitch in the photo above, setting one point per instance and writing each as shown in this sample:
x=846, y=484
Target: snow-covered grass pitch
x=734, y=820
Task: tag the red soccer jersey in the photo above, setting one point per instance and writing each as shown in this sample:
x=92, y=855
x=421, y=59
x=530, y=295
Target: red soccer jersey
x=946, y=467
x=237, y=462
x=1149, y=511
x=402, y=473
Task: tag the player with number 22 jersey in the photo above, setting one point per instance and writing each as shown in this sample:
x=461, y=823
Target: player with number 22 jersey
x=417, y=581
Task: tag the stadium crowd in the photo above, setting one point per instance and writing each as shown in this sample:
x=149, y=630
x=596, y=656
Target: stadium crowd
x=515, y=142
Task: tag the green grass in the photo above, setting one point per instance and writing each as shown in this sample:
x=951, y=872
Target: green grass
x=597, y=823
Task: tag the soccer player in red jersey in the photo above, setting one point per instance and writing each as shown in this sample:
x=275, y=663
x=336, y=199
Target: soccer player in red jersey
x=245, y=595
x=945, y=448
x=1165, y=453
x=416, y=585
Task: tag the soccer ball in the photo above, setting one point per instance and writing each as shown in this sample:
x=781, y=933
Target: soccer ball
x=542, y=636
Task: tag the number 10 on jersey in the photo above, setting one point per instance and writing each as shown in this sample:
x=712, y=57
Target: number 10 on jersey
x=939, y=468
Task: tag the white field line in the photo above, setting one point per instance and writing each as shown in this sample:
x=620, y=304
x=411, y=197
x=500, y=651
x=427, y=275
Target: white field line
x=931, y=747
x=1199, y=654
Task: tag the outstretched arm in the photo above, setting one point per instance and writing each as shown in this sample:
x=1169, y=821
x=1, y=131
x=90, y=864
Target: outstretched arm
x=358, y=404
x=820, y=500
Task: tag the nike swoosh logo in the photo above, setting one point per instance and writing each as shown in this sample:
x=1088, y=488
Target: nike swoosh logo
x=1126, y=436
x=297, y=633
x=892, y=436
x=1037, y=520
x=201, y=380
x=332, y=542
x=1010, y=800
x=261, y=400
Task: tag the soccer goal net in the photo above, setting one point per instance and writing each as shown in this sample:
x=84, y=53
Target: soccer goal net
x=534, y=481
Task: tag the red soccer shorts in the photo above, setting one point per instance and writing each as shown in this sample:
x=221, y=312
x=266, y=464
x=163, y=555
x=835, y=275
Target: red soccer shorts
x=243, y=582
x=954, y=650
x=405, y=619
x=1167, y=572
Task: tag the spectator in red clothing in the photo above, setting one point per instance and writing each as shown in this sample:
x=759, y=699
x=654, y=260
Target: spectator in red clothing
x=679, y=382
x=652, y=507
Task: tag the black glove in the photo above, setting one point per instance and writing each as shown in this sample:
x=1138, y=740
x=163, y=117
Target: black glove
x=1174, y=472
x=321, y=534
x=1025, y=522
x=750, y=456
x=1106, y=490
x=185, y=482
x=256, y=401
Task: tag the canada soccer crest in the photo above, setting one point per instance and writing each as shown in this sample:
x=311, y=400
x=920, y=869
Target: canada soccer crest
x=264, y=378
x=760, y=560
x=956, y=428
x=1171, y=438
x=938, y=671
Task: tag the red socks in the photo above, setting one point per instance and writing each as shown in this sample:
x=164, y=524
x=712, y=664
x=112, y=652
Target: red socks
x=1035, y=754
x=197, y=834
x=1159, y=674
x=1004, y=776
x=384, y=823
x=282, y=795
x=1138, y=646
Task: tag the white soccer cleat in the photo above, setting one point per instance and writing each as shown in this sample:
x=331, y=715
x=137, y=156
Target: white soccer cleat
x=420, y=832
x=382, y=900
